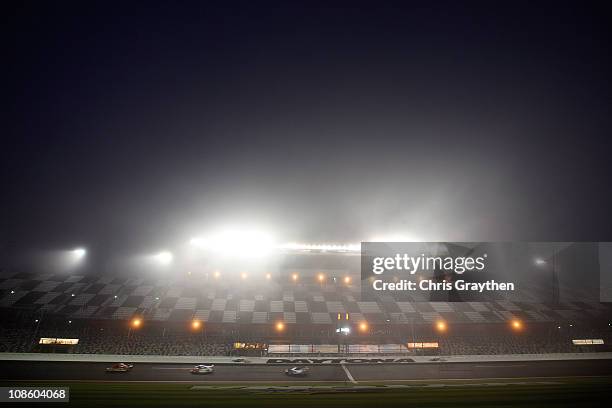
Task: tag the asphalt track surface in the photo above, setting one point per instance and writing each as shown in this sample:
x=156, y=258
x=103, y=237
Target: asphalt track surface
x=155, y=372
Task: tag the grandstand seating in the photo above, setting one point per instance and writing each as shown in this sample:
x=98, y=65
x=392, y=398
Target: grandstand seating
x=101, y=306
x=167, y=300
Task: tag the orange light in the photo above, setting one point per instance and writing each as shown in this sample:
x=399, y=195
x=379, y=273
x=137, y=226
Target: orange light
x=347, y=279
x=136, y=322
x=268, y=276
x=517, y=324
x=244, y=275
x=321, y=277
x=217, y=274
x=441, y=326
x=196, y=324
x=363, y=326
x=294, y=276
x=280, y=326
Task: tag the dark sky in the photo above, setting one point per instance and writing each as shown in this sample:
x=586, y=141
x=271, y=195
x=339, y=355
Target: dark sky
x=135, y=126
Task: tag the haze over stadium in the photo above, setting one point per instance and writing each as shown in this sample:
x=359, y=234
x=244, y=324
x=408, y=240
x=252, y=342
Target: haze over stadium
x=190, y=193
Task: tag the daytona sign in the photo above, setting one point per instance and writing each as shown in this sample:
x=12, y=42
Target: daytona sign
x=338, y=360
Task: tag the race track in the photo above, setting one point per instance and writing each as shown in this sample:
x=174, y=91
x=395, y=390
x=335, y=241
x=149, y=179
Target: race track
x=41, y=371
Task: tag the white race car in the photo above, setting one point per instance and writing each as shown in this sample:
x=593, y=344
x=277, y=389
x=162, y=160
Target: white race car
x=297, y=371
x=203, y=369
x=119, y=368
x=240, y=360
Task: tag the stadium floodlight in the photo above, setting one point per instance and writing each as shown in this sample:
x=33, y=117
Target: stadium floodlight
x=72, y=258
x=516, y=324
x=321, y=247
x=245, y=242
x=164, y=257
x=280, y=326
x=441, y=326
x=197, y=242
x=540, y=261
x=136, y=322
x=78, y=253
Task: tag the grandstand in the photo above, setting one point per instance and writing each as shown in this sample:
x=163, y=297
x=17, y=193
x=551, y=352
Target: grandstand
x=309, y=300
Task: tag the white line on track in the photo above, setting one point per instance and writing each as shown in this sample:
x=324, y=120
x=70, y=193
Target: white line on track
x=348, y=374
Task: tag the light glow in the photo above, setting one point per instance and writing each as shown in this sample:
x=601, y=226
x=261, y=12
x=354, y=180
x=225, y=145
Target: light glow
x=396, y=237
x=164, y=257
x=78, y=253
x=321, y=247
x=441, y=326
x=245, y=242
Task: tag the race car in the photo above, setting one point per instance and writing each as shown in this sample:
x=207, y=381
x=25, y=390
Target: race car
x=203, y=369
x=119, y=368
x=239, y=360
x=297, y=371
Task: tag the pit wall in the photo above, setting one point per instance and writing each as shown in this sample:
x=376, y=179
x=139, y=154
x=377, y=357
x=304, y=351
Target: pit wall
x=114, y=358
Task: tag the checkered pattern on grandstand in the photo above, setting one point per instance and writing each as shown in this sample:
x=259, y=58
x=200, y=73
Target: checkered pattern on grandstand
x=110, y=297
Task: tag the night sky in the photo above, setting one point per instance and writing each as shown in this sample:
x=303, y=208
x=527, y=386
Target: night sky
x=132, y=127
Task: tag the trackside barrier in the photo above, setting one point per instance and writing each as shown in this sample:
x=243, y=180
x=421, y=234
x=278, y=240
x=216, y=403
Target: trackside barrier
x=114, y=358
